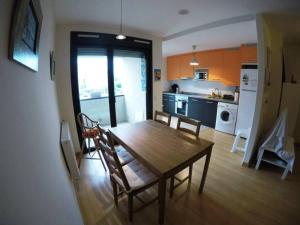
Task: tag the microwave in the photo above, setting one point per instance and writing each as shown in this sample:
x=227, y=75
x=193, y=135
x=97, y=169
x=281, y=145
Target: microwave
x=201, y=74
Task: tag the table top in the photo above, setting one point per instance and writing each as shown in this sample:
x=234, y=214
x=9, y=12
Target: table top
x=158, y=146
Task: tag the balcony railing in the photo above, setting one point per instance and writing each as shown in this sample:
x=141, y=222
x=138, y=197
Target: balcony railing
x=98, y=109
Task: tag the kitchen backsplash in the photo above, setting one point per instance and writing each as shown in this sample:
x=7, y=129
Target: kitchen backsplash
x=202, y=87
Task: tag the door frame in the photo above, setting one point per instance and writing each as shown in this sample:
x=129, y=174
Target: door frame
x=109, y=42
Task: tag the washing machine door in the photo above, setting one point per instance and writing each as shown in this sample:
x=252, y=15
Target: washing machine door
x=226, y=116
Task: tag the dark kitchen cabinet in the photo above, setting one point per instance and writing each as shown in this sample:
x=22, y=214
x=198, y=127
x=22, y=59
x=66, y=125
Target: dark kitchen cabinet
x=169, y=103
x=203, y=110
x=194, y=108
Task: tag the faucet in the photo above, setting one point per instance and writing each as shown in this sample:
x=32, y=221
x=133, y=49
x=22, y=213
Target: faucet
x=216, y=92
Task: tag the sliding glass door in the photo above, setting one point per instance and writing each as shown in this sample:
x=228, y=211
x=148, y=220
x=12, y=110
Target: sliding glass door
x=111, y=79
x=112, y=98
x=93, y=84
x=129, y=70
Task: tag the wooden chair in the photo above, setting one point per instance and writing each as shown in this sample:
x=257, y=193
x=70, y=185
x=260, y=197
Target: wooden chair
x=131, y=179
x=191, y=122
x=123, y=155
x=89, y=131
x=163, y=115
x=196, y=124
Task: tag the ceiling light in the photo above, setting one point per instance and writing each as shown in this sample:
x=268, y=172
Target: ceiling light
x=194, y=61
x=121, y=36
x=183, y=12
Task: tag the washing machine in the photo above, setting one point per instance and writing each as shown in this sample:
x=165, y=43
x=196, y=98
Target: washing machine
x=226, y=117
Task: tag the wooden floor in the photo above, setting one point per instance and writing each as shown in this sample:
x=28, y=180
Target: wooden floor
x=233, y=194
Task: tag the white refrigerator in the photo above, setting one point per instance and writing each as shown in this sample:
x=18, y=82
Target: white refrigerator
x=247, y=100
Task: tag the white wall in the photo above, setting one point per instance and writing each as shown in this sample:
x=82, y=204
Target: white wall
x=255, y=132
x=291, y=61
x=268, y=95
x=63, y=69
x=292, y=69
x=35, y=188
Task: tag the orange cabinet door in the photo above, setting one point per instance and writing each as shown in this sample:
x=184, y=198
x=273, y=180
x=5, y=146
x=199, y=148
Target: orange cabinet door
x=231, y=67
x=186, y=70
x=248, y=54
x=173, y=68
x=213, y=61
x=203, y=59
x=215, y=72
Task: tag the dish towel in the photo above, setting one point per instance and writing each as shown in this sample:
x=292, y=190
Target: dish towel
x=179, y=104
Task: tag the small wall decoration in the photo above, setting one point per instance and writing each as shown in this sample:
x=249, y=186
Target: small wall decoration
x=143, y=75
x=25, y=33
x=52, y=66
x=157, y=74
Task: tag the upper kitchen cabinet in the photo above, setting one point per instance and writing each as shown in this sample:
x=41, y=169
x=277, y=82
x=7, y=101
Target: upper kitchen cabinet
x=173, y=67
x=186, y=70
x=248, y=53
x=231, y=67
x=178, y=67
x=213, y=61
x=223, y=64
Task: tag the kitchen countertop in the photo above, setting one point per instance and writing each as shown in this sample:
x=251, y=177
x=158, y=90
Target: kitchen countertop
x=202, y=96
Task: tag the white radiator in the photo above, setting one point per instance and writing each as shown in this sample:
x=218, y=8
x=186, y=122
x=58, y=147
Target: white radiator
x=69, y=152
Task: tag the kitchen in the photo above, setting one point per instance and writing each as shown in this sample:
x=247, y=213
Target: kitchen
x=216, y=87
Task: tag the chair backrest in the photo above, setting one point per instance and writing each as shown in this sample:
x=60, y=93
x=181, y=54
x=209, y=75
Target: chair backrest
x=89, y=127
x=195, y=123
x=159, y=114
x=107, y=148
x=86, y=122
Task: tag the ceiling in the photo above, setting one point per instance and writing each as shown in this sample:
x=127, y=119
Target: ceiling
x=161, y=18
x=227, y=36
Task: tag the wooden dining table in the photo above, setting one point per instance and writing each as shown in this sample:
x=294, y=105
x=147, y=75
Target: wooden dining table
x=163, y=150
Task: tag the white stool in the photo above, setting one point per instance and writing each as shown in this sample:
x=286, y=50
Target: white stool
x=240, y=133
x=273, y=158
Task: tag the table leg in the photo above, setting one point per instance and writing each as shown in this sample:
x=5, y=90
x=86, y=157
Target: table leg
x=205, y=171
x=161, y=200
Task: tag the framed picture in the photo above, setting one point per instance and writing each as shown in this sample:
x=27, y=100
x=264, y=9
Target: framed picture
x=25, y=33
x=157, y=74
x=52, y=66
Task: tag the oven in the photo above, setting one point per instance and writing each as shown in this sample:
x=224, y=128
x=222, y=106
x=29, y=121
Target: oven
x=181, y=105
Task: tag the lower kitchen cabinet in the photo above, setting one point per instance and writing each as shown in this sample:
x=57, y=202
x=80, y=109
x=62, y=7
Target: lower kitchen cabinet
x=194, y=108
x=169, y=103
x=203, y=110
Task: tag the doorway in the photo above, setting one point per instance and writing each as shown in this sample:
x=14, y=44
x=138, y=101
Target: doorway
x=111, y=79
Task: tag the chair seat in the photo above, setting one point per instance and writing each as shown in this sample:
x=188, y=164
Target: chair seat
x=138, y=175
x=90, y=132
x=124, y=156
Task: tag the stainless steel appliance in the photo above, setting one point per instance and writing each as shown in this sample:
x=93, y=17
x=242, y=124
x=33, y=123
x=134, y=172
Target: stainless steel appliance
x=201, y=74
x=181, y=105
